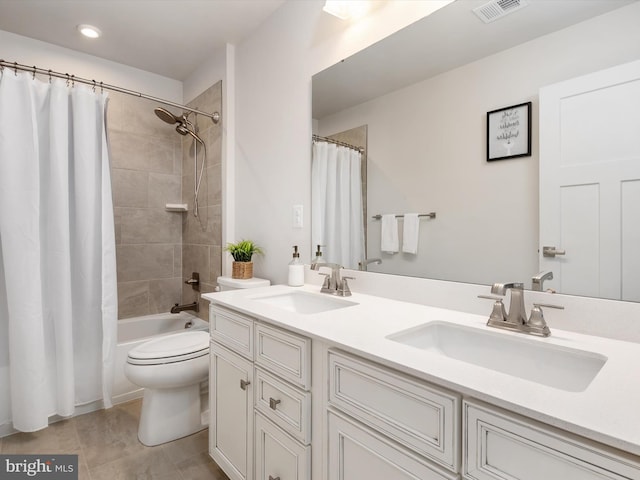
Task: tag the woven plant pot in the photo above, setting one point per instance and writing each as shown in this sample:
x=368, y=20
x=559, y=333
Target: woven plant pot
x=242, y=270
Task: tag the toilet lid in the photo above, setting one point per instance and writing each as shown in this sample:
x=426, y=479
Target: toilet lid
x=170, y=348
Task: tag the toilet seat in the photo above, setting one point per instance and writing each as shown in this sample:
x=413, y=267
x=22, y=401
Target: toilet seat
x=174, y=348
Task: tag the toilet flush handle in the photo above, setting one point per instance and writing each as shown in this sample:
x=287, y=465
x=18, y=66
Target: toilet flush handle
x=244, y=384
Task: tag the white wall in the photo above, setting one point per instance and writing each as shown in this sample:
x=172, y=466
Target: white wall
x=427, y=152
x=27, y=51
x=273, y=127
x=209, y=72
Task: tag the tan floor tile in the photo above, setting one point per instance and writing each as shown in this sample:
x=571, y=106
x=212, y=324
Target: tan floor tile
x=184, y=448
x=108, y=435
x=83, y=472
x=152, y=464
x=201, y=467
x=108, y=448
x=133, y=408
x=59, y=437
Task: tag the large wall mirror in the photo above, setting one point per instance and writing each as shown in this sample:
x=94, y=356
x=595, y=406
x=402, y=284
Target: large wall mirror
x=423, y=95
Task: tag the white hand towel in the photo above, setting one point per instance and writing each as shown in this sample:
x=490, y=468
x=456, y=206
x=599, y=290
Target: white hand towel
x=389, y=233
x=410, y=233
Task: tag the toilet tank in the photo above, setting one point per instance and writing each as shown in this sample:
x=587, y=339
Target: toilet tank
x=228, y=283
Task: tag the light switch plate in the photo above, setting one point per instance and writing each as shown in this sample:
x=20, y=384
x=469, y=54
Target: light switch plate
x=297, y=216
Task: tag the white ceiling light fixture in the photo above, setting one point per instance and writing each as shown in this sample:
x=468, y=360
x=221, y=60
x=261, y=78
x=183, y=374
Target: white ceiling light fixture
x=347, y=9
x=89, y=31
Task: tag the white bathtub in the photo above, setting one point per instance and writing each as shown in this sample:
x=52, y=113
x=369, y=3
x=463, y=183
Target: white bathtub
x=133, y=332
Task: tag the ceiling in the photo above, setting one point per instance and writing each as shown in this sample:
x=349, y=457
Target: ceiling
x=167, y=37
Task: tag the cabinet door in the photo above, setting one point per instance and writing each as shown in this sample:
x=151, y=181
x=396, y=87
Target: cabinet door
x=500, y=445
x=421, y=416
x=279, y=456
x=358, y=453
x=231, y=411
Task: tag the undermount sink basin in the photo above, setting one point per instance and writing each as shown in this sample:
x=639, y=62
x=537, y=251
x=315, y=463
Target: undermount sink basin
x=304, y=303
x=526, y=358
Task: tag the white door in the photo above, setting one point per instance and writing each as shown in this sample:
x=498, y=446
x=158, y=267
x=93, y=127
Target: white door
x=590, y=183
x=231, y=405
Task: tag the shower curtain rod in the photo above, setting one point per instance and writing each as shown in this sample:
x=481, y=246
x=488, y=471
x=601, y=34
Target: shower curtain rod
x=337, y=142
x=215, y=116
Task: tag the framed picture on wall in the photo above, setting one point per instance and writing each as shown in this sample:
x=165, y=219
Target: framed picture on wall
x=509, y=132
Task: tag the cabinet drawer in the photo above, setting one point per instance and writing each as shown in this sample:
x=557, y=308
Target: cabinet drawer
x=287, y=406
x=285, y=354
x=358, y=453
x=232, y=330
x=499, y=445
x=422, y=417
x=277, y=455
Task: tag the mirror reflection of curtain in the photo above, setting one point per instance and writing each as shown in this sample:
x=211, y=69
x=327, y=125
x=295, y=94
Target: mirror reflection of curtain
x=58, y=304
x=336, y=203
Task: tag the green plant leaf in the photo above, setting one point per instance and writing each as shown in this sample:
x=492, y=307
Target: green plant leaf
x=243, y=250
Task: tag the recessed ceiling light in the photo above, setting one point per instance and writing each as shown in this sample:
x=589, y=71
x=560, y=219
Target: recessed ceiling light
x=89, y=31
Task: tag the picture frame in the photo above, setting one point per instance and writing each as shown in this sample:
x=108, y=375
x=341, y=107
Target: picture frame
x=509, y=132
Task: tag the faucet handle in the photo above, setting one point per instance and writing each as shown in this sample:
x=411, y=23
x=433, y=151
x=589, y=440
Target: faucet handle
x=536, y=323
x=344, y=290
x=490, y=297
x=325, y=284
x=498, y=314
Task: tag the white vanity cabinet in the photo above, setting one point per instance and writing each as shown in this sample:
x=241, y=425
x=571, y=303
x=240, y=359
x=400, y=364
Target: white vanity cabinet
x=260, y=399
x=499, y=445
x=373, y=420
x=406, y=428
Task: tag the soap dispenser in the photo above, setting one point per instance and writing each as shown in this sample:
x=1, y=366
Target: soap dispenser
x=296, y=270
x=319, y=258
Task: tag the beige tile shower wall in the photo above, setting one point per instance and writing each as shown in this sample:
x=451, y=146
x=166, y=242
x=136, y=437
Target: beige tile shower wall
x=146, y=169
x=202, y=235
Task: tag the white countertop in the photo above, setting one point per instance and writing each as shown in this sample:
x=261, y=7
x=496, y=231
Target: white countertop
x=608, y=411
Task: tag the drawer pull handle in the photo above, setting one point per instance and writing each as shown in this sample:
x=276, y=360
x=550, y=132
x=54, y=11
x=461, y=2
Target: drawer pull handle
x=244, y=384
x=273, y=478
x=273, y=403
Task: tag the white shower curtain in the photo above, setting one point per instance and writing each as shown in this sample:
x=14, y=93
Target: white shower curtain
x=58, y=308
x=336, y=203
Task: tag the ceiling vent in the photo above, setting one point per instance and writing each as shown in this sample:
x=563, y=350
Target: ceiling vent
x=496, y=9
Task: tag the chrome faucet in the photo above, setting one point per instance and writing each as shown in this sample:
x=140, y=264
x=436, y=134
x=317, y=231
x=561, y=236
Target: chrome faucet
x=517, y=314
x=333, y=283
x=362, y=265
x=516, y=319
x=195, y=306
x=537, y=281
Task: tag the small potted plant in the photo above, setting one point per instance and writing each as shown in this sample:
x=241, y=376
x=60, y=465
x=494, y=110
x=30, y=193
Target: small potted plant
x=242, y=253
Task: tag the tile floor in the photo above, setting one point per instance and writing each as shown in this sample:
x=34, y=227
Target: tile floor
x=107, y=445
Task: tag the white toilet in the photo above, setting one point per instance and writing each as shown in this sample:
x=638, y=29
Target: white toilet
x=228, y=283
x=171, y=369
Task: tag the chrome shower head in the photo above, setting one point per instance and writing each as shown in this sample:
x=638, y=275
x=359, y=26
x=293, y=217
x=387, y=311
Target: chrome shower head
x=183, y=126
x=182, y=129
x=166, y=116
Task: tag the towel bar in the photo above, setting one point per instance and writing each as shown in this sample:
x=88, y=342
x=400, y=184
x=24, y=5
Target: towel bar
x=430, y=215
